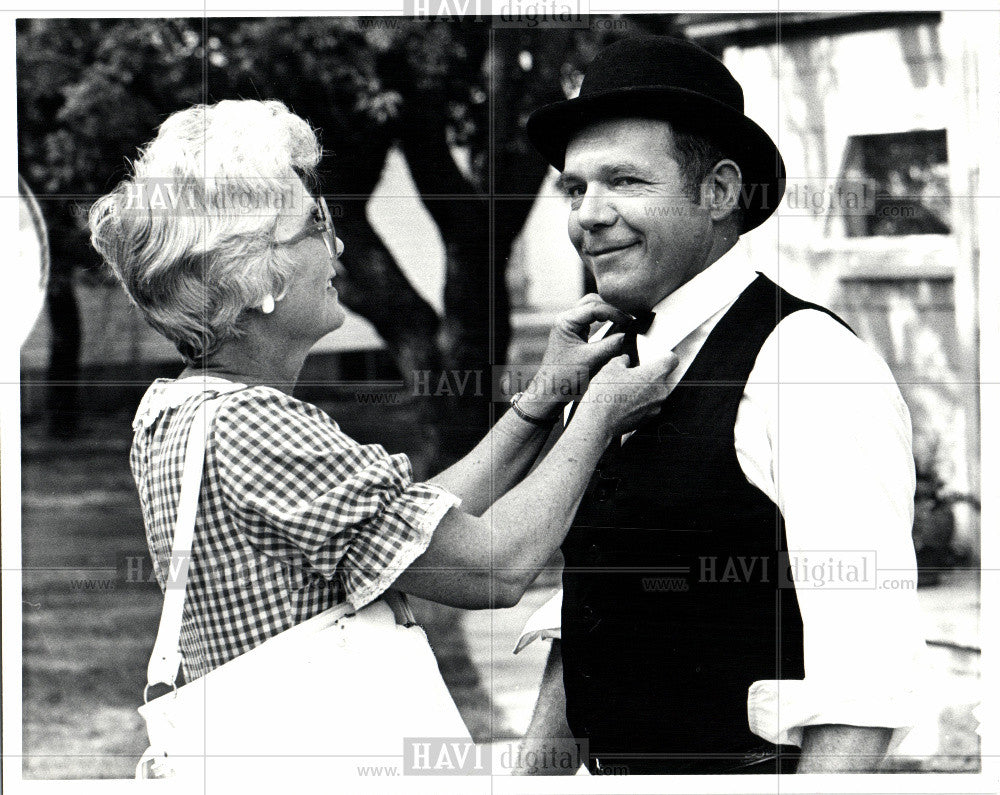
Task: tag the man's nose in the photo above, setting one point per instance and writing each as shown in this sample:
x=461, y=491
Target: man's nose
x=595, y=209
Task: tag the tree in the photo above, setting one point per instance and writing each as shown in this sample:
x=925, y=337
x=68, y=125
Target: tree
x=91, y=91
x=85, y=101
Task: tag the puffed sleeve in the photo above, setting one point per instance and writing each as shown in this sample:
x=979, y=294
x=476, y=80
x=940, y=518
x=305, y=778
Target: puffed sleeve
x=309, y=495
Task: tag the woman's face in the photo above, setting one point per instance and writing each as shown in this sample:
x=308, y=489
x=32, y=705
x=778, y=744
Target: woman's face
x=310, y=308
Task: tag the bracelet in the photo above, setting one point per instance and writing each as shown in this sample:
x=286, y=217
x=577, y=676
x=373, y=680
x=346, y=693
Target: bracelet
x=539, y=421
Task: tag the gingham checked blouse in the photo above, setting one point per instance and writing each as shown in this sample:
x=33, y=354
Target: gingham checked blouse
x=294, y=516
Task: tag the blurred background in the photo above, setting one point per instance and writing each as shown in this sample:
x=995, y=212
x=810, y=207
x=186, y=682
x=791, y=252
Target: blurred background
x=457, y=261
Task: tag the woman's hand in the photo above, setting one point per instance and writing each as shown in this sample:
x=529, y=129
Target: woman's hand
x=569, y=359
x=490, y=560
x=621, y=397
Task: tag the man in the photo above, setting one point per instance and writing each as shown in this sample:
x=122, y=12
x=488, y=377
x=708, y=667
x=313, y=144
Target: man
x=720, y=609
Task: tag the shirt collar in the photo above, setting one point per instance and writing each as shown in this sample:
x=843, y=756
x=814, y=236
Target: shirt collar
x=165, y=393
x=698, y=299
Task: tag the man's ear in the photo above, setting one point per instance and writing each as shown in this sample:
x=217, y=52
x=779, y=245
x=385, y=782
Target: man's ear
x=720, y=190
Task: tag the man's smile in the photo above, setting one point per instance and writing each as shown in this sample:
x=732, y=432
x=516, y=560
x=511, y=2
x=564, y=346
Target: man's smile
x=600, y=250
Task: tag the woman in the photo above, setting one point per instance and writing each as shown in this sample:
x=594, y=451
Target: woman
x=218, y=242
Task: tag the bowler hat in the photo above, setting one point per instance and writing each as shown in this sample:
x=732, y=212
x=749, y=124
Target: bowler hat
x=661, y=77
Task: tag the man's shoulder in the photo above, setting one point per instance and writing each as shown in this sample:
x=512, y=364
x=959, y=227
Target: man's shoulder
x=813, y=345
x=789, y=302
x=821, y=369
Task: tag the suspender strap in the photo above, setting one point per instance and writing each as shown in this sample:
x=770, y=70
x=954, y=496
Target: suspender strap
x=165, y=661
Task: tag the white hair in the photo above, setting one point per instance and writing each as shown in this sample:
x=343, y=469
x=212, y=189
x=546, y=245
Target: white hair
x=190, y=235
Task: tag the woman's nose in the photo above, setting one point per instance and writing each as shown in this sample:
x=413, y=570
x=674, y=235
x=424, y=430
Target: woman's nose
x=338, y=264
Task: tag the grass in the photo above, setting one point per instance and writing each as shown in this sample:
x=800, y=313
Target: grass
x=84, y=660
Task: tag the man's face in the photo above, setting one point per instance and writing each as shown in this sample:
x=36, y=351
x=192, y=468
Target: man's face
x=631, y=219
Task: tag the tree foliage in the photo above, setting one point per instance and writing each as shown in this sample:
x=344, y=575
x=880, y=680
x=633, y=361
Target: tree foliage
x=452, y=95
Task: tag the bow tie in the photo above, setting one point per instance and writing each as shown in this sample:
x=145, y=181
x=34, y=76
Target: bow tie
x=632, y=328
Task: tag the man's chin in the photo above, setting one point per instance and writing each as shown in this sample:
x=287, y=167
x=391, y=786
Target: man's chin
x=624, y=300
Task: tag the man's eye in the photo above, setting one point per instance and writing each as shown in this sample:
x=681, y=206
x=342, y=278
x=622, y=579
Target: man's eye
x=620, y=182
x=575, y=191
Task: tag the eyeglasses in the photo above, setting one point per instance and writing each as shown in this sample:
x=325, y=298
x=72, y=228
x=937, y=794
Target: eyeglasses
x=322, y=224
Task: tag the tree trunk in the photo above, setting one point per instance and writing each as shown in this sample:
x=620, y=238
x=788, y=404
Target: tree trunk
x=376, y=288
x=517, y=169
x=475, y=328
x=62, y=389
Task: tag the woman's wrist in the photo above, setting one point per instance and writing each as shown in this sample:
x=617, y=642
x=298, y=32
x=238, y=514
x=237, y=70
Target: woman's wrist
x=592, y=420
x=553, y=386
x=540, y=398
x=535, y=408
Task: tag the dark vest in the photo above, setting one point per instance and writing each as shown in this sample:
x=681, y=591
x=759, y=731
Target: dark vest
x=674, y=602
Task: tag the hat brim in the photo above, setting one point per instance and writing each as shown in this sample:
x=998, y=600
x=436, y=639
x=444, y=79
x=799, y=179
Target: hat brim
x=551, y=127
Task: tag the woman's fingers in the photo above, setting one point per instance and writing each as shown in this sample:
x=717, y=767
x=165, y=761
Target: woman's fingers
x=590, y=309
x=629, y=396
x=601, y=351
x=658, y=368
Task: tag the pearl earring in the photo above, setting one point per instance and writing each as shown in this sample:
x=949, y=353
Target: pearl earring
x=267, y=305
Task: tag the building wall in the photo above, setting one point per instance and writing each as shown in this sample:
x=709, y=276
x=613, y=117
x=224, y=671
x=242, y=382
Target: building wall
x=812, y=94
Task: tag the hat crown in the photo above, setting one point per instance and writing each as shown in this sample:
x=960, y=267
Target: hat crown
x=658, y=77
x=662, y=62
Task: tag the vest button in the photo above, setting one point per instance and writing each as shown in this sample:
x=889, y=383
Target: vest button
x=594, y=553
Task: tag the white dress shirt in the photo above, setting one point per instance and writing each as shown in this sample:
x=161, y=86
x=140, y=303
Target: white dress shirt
x=823, y=431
